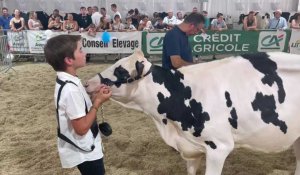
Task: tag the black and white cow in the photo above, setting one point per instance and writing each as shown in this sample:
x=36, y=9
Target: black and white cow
x=244, y=101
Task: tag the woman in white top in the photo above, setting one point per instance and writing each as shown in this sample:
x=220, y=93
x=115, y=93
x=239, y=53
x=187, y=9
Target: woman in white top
x=33, y=22
x=17, y=23
x=295, y=24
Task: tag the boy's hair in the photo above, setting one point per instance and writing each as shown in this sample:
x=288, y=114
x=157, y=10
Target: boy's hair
x=194, y=18
x=60, y=47
x=114, y=5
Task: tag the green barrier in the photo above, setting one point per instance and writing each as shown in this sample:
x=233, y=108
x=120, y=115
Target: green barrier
x=225, y=42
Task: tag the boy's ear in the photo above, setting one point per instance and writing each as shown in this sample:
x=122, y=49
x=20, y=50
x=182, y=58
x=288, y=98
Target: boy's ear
x=68, y=61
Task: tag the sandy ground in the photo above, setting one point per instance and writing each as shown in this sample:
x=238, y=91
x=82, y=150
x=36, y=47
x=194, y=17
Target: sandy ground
x=28, y=134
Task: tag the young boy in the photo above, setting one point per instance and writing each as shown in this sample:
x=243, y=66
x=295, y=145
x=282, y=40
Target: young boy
x=79, y=142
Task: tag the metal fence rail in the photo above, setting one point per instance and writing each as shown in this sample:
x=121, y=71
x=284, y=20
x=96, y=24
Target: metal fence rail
x=5, y=56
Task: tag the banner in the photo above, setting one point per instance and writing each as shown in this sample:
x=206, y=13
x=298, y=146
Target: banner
x=17, y=41
x=120, y=42
x=295, y=42
x=225, y=42
x=38, y=39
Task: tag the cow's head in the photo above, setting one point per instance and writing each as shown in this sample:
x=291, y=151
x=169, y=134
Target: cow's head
x=122, y=76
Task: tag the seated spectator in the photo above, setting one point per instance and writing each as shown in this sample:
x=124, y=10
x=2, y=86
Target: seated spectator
x=278, y=22
x=159, y=25
x=84, y=20
x=117, y=26
x=90, y=11
x=33, y=22
x=114, y=9
x=17, y=23
x=129, y=27
x=5, y=19
x=145, y=24
x=55, y=25
x=54, y=14
x=104, y=25
x=170, y=20
x=130, y=13
x=154, y=18
x=219, y=23
x=179, y=19
x=92, y=31
x=295, y=24
x=70, y=24
x=250, y=22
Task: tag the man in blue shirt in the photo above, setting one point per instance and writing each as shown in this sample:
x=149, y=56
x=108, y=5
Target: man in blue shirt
x=278, y=22
x=177, y=51
x=5, y=19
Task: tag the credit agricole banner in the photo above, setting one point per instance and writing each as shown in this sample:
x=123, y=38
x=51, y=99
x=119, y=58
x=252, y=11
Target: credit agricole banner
x=225, y=42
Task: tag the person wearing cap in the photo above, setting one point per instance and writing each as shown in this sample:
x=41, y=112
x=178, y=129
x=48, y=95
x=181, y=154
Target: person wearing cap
x=177, y=51
x=278, y=22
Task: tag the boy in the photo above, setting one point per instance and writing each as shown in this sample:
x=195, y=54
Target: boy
x=79, y=142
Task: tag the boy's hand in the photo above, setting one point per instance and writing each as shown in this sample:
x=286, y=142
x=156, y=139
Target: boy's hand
x=101, y=95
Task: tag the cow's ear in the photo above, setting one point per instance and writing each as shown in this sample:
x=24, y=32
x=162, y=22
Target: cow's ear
x=139, y=66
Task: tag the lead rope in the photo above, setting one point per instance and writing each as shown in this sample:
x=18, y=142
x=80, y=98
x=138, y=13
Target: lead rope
x=102, y=113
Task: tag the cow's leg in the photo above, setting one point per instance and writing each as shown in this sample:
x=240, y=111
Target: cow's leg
x=192, y=166
x=215, y=158
x=296, y=146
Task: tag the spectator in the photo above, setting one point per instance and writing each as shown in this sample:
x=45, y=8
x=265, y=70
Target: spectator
x=70, y=24
x=170, y=20
x=33, y=22
x=55, y=25
x=179, y=19
x=155, y=17
x=129, y=27
x=250, y=22
x=84, y=20
x=130, y=13
x=219, y=23
x=89, y=11
x=92, y=31
x=177, y=50
x=117, y=26
x=79, y=140
x=114, y=8
x=159, y=25
x=5, y=19
x=96, y=16
x=136, y=17
x=104, y=14
x=229, y=22
x=55, y=13
x=17, y=23
x=105, y=25
x=295, y=24
x=195, y=9
x=145, y=24
x=278, y=22
x=207, y=22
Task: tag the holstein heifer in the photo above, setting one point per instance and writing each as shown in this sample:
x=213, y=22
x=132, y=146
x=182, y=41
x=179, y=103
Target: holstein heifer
x=251, y=101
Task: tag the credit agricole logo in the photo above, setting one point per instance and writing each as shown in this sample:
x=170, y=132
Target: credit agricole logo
x=155, y=43
x=271, y=41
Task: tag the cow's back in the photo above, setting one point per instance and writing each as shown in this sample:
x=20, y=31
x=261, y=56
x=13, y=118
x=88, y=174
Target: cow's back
x=254, y=97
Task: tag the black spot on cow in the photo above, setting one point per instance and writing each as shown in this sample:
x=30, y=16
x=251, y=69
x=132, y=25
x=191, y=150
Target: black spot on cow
x=233, y=119
x=174, y=106
x=211, y=144
x=266, y=104
x=165, y=121
x=228, y=100
x=121, y=74
x=265, y=65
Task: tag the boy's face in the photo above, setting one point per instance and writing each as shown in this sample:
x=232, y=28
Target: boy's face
x=79, y=56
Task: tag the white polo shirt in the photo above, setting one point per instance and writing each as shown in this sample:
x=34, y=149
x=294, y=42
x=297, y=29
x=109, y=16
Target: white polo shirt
x=72, y=106
x=96, y=18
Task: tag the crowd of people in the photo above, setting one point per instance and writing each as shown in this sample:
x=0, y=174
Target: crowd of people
x=92, y=20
